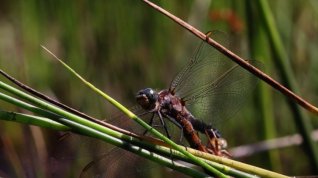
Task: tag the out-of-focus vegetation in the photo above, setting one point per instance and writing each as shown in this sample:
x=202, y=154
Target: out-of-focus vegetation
x=123, y=46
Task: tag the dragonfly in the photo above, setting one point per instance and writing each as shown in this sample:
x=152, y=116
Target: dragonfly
x=206, y=92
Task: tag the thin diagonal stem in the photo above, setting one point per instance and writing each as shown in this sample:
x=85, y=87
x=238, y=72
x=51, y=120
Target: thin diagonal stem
x=240, y=61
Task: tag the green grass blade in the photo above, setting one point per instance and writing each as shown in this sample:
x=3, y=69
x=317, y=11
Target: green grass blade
x=301, y=118
x=32, y=120
x=259, y=50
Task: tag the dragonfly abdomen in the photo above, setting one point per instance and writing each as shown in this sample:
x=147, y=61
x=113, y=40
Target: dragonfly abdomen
x=191, y=135
x=204, y=128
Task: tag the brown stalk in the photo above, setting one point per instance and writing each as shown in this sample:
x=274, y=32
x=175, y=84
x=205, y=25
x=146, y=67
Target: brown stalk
x=240, y=61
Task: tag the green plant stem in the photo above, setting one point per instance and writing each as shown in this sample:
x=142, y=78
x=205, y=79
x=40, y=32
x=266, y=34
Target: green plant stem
x=140, y=121
x=301, y=118
x=75, y=123
x=259, y=51
x=32, y=120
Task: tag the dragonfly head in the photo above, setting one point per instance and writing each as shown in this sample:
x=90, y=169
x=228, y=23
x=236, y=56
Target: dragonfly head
x=147, y=98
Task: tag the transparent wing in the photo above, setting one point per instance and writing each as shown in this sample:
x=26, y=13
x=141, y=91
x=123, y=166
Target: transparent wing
x=214, y=88
x=120, y=163
x=114, y=164
x=202, y=67
x=221, y=99
x=98, y=159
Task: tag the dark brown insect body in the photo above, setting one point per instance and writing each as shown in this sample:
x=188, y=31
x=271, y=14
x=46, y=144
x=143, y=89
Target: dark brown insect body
x=172, y=107
x=168, y=105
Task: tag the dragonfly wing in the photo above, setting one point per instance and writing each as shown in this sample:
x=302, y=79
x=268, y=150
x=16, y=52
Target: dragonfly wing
x=203, y=65
x=212, y=86
x=114, y=164
x=221, y=99
x=120, y=163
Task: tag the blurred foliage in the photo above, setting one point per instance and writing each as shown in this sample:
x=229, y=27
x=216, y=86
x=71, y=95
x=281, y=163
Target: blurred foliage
x=123, y=46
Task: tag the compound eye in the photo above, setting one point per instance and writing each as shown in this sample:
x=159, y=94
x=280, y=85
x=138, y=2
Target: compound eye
x=151, y=91
x=152, y=95
x=148, y=91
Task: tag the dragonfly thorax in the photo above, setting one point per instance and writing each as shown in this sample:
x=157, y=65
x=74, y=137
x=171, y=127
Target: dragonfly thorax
x=147, y=98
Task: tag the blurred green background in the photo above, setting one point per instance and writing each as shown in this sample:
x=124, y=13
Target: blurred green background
x=123, y=46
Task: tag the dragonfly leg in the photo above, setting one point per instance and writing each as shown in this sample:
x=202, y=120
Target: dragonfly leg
x=216, y=143
x=163, y=124
x=212, y=141
x=178, y=125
